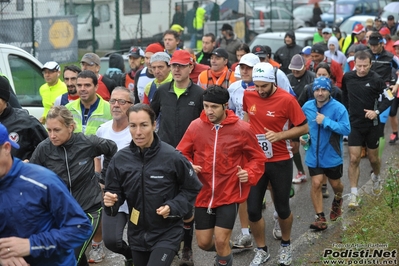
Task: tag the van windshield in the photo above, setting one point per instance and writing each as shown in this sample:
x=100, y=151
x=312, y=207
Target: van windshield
x=83, y=11
x=342, y=9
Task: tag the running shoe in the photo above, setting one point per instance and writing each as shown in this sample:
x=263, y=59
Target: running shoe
x=186, y=257
x=319, y=224
x=96, y=253
x=324, y=191
x=261, y=256
x=377, y=184
x=353, y=201
x=300, y=177
x=393, y=138
x=243, y=241
x=336, y=210
x=285, y=255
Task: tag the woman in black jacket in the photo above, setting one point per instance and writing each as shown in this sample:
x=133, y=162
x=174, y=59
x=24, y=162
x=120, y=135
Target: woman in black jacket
x=159, y=185
x=71, y=156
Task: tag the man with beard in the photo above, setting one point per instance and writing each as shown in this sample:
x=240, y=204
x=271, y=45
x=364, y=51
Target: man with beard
x=270, y=111
x=70, y=77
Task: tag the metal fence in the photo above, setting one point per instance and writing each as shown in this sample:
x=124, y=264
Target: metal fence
x=35, y=26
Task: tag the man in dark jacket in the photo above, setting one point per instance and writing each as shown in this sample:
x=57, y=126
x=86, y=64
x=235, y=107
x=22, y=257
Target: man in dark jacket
x=208, y=44
x=24, y=129
x=284, y=54
x=299, y=77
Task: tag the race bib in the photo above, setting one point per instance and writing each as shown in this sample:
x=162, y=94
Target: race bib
x=265, y=145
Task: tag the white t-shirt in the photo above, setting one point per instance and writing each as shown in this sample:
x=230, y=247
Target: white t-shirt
x=122, y=139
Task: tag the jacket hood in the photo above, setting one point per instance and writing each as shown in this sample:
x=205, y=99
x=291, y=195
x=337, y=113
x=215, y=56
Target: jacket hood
x=231, y=118
x=333, y=40
x=116, y=61
x=291, y=34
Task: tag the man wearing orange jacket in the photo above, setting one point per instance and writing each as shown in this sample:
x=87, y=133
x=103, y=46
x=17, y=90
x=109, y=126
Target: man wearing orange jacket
x=219, y=74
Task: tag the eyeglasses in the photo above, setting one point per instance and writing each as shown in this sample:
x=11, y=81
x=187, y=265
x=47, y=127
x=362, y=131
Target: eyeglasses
x=120, y=101
x=178, y=66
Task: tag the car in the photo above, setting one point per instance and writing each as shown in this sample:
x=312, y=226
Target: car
x=24, y=72
x=347, y=8
x=276, y=39
x=347, y=26
x=287, y=4
x=391, y=9
x=305, y=12
x=273, y=19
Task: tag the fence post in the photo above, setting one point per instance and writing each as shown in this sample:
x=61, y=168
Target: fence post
x=117, y=37
x=93, y=26
x=33, y=28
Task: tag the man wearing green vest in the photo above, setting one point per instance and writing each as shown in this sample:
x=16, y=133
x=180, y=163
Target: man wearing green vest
x=90, y=110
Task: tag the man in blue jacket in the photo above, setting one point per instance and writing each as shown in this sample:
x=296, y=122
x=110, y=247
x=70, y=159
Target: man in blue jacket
x=328, y=123
x=41, y=223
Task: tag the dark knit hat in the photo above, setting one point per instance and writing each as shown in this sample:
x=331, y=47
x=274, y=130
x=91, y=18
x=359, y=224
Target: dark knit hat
x=4, y=89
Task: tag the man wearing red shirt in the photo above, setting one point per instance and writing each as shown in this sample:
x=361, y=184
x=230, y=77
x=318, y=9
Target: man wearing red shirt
x=271, y=111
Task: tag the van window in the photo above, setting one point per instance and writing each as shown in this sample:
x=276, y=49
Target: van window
x=27, y=78
x=104, y=13
x=132, y=7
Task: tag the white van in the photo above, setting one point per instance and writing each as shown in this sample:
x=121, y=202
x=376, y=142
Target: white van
x=156, y=18
x=24, y=72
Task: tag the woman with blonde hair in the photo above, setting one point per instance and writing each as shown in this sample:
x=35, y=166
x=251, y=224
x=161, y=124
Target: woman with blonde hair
x=71, y=156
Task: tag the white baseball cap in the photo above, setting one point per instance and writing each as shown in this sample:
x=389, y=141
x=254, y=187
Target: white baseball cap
x=263, y=72
x=249, y=59
x=51, y=65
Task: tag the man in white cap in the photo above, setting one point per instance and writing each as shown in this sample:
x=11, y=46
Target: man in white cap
x=53, y=87
x=271, y=111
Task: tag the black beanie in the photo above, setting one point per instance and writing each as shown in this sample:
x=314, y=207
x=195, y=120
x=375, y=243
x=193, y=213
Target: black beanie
x=4, y=89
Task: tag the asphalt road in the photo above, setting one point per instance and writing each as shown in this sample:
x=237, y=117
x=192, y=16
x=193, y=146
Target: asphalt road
x=302, y=209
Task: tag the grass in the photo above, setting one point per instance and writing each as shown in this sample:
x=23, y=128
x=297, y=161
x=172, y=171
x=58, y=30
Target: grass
x=376, y=221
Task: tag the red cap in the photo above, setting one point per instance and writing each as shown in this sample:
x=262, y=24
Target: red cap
x=154, y=48
x=396, y=44
x=384, y=31
x=358, y=29
x=181, y=57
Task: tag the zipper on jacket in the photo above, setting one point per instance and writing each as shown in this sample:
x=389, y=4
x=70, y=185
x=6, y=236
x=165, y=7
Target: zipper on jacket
x=318, y=140
x=216, y=127
x=143, y=191
x=67, y=167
